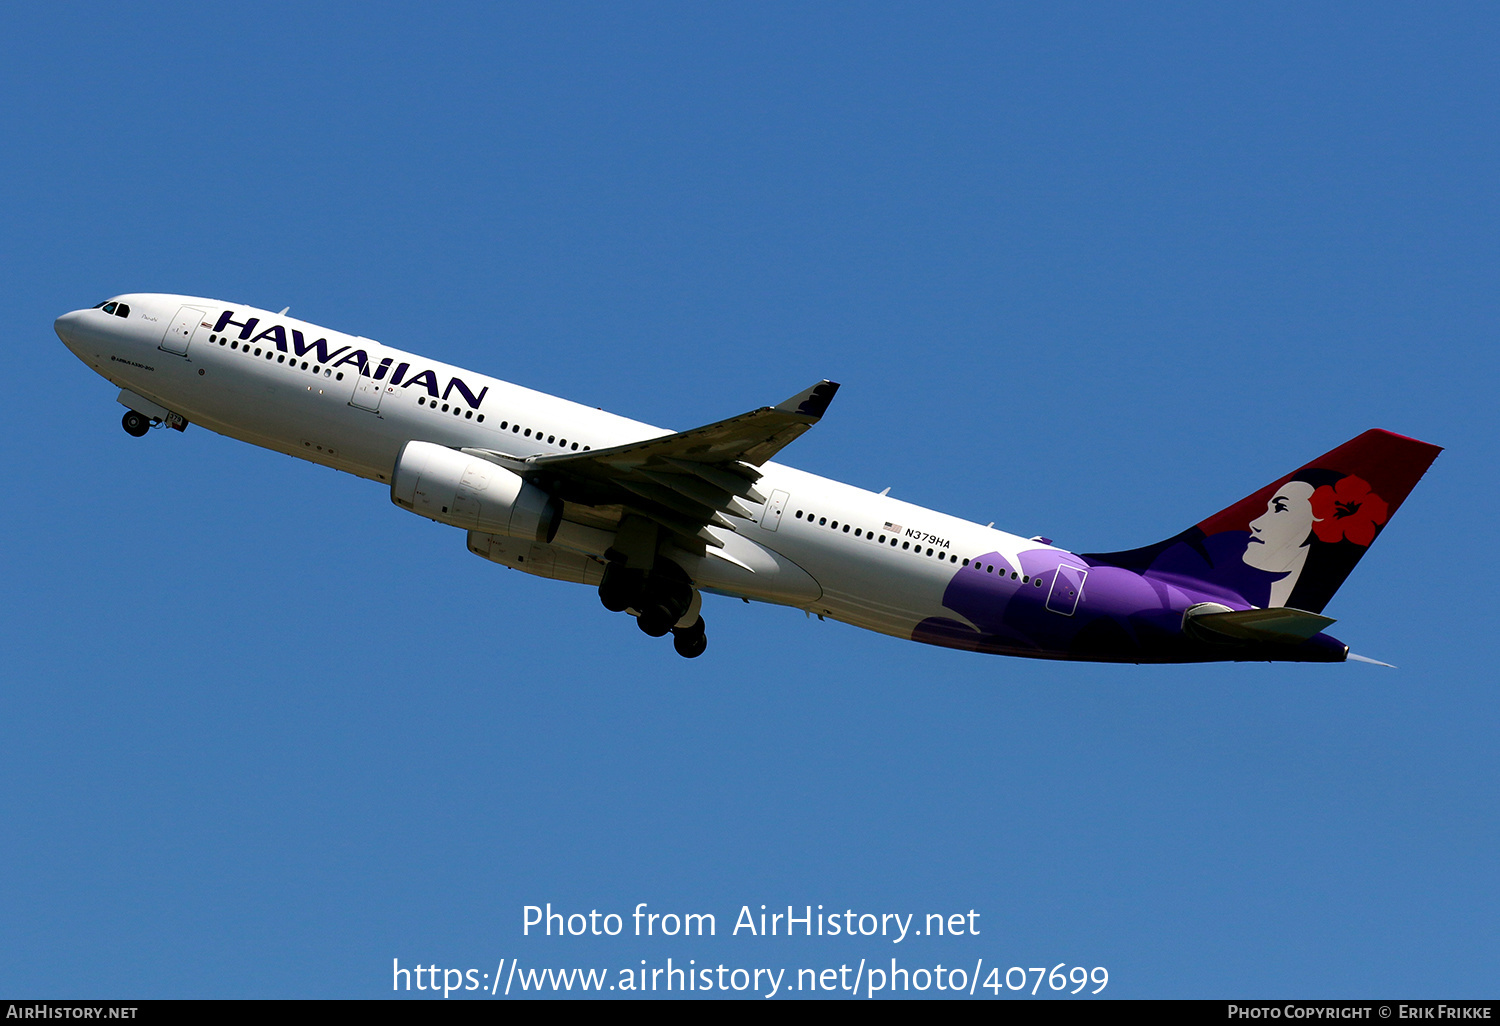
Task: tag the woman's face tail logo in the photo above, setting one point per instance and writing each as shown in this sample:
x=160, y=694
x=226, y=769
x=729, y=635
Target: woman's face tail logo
x=1302, y=522
x=1278, y=539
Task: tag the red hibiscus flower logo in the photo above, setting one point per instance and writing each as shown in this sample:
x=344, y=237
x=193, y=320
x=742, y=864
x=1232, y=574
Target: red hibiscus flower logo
x=1348, y=509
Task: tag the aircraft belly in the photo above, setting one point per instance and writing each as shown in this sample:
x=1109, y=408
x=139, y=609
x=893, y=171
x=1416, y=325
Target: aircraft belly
x=869, y=587
x=745, y=568
x=301, y=416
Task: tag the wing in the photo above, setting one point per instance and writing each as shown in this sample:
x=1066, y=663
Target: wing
x=686, y=482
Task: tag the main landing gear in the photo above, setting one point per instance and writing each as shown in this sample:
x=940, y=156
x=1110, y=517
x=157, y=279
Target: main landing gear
x=690, y=641
x=664, y=600
x=136, y=424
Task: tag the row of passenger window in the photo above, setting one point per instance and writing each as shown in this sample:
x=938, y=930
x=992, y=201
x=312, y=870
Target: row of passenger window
x=561, y=443
x=432, y=404
x=272, y=354
x=893, y=541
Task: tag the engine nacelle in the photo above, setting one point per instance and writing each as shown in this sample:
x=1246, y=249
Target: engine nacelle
x=450, y=487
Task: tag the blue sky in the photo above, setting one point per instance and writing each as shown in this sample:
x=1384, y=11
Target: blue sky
x=1087, y=271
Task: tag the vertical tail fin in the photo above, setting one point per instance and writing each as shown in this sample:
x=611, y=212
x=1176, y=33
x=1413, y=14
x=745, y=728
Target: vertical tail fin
x=1293, y=542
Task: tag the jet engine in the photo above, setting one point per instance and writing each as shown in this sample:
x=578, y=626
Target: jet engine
x=452, y=488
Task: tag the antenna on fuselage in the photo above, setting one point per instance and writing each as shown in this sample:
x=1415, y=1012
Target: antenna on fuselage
x=283, y=311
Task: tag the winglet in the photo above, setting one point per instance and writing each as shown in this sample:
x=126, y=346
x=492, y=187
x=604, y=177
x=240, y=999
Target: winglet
x=812, y=402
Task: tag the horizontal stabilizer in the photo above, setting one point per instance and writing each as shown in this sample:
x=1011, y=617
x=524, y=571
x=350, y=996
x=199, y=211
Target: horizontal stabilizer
x=1282, y=624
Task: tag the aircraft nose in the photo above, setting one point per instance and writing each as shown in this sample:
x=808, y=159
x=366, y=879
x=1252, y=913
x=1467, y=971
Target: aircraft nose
x=66, y=327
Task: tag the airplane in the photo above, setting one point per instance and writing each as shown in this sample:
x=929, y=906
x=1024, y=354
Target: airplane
x=655, y=519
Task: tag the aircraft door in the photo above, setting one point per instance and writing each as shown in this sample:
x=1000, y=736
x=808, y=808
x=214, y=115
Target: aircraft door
x=188, y=320
x=367, y=393
x=1067, y=589
x=775, y=506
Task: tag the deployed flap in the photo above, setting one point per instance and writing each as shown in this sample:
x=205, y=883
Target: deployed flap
x=687, y=481
x=1279, y=624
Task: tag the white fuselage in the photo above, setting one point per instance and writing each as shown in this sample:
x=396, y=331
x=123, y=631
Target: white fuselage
x=351, y=403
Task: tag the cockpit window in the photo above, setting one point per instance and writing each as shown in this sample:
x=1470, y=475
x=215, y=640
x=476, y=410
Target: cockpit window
x=110, y=307
x=122, y=310
x=99, y=304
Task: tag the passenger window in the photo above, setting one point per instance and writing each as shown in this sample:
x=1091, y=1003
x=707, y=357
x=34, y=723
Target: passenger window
x=846, y=528
x=551, y=439
x=575, y=446
x=481, y=418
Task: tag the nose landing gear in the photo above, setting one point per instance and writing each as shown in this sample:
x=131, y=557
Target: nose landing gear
x=136, y=424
